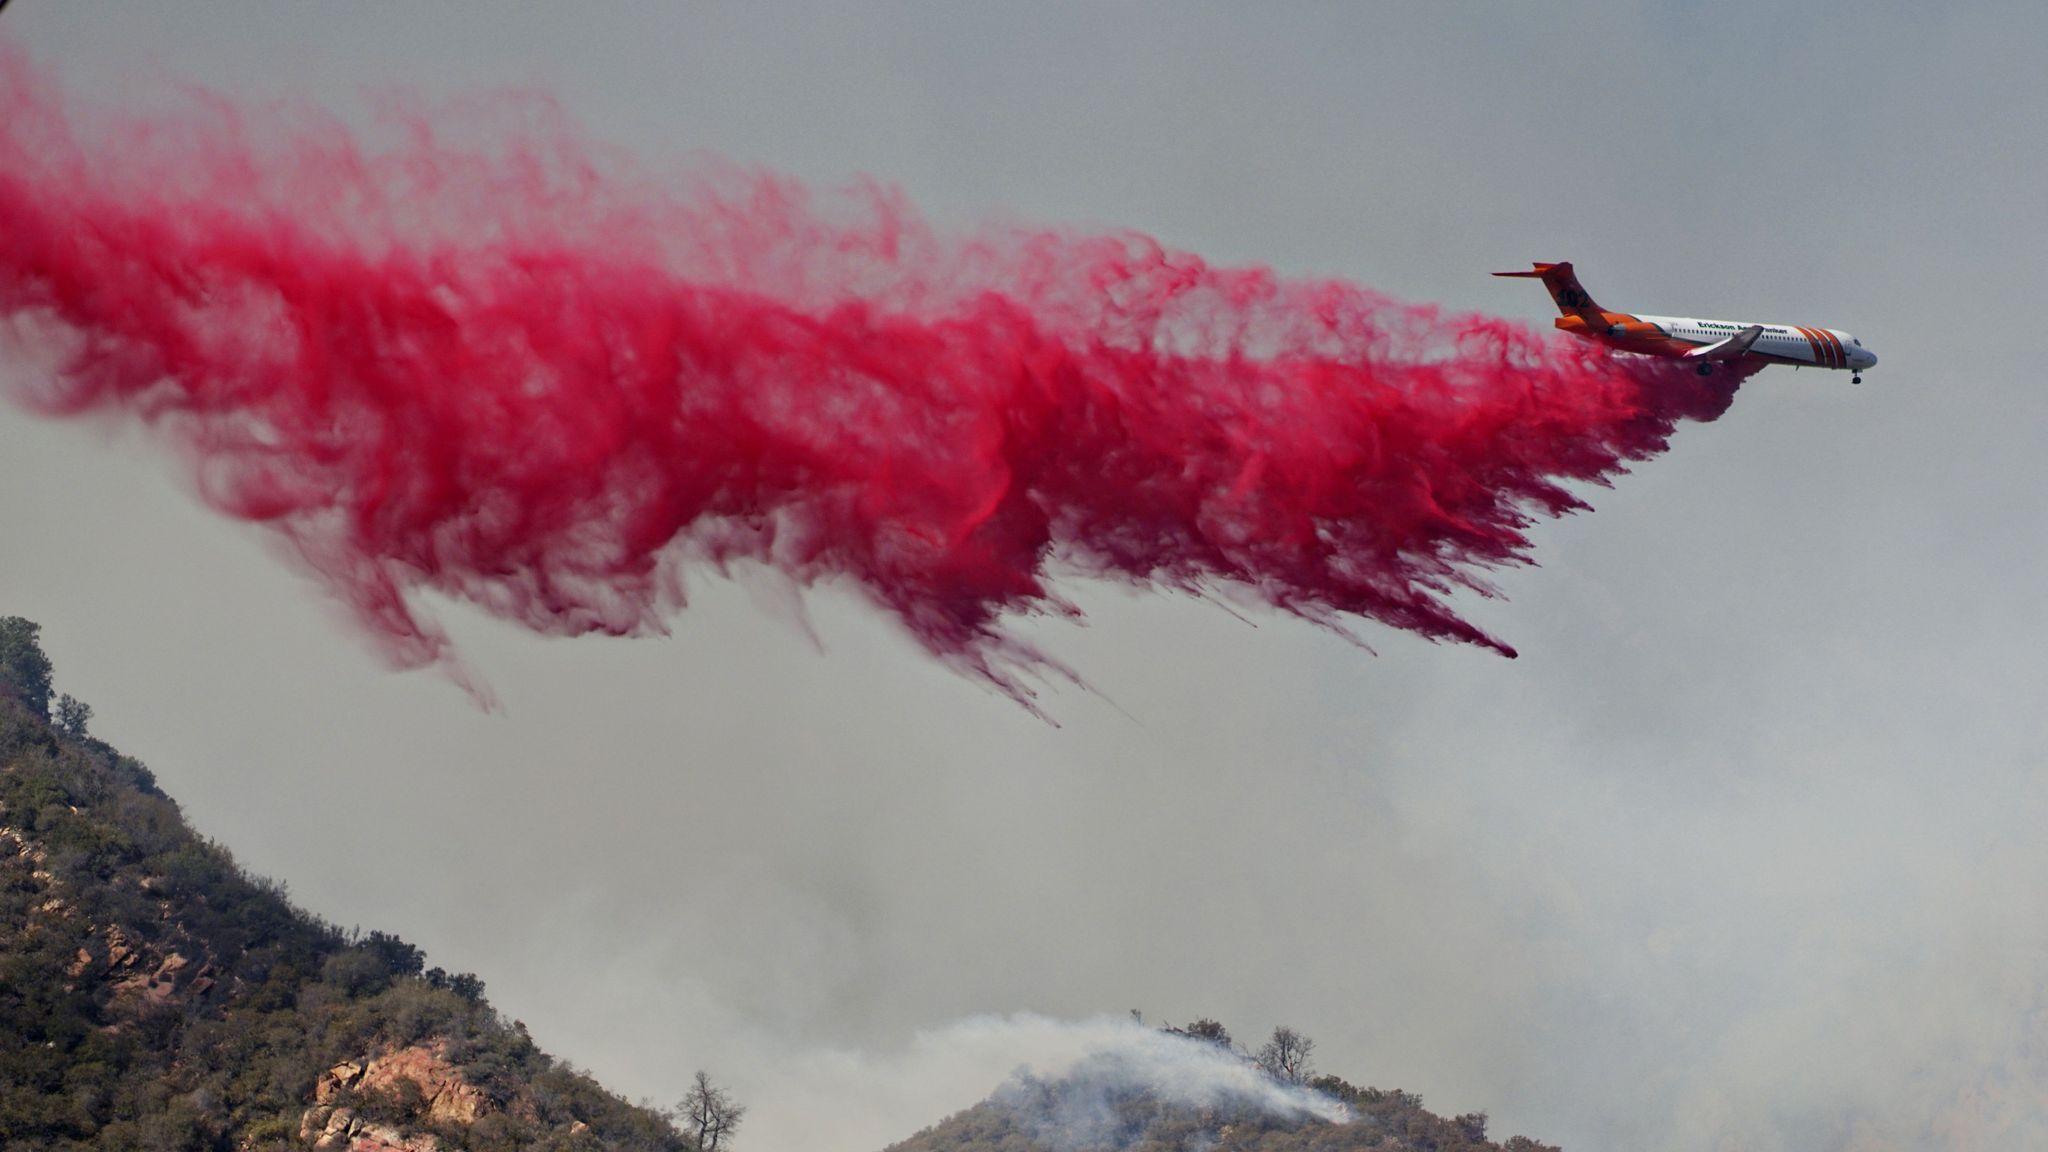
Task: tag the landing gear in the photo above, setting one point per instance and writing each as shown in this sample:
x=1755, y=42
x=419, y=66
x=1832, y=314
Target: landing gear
x=1705, y=369
x=1856, y=379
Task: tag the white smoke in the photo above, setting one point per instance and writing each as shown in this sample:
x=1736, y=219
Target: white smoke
x=1107, y=1099
x=846, y=1101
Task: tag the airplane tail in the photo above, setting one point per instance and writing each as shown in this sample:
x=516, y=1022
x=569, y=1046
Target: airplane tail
x=1572, y=300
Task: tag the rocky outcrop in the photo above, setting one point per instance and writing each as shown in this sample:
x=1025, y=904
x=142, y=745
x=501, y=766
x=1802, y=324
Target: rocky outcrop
x=328, y=1129
x=159, y=985
x=445, y=1096
x=140, y=980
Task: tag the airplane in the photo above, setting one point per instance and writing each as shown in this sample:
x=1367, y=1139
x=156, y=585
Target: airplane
x=1707, y=342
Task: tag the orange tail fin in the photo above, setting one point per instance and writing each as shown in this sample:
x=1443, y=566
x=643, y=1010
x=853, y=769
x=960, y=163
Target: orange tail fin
x=1572, y=300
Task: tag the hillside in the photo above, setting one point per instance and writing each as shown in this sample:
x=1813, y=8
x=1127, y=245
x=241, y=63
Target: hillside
x=1070, y=1115
x=154, y=995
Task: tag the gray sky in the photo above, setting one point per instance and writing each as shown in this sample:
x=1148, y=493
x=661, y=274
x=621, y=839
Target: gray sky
x=1744, y=852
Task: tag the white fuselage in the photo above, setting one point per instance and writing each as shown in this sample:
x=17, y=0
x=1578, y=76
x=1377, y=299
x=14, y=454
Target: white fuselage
x=1783, y=343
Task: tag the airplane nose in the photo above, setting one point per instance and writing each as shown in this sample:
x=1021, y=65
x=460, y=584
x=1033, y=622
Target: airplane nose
x=1866, y=358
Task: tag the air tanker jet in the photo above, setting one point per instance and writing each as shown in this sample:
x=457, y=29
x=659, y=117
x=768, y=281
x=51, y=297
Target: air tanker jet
x=1704, y=342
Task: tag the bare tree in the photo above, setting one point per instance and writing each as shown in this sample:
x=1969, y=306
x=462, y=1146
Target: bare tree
x=712, y=1112
x=1286, y=1056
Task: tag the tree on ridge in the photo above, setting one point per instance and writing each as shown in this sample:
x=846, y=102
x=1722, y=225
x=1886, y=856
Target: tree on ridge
x=24, y=671
x=711, y=1112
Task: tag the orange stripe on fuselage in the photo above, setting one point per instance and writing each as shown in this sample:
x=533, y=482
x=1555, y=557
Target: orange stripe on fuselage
x=1826, y=346
x=1820, y=348
x=1821, y=353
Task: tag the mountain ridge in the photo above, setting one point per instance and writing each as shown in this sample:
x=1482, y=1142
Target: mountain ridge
x=156, y=995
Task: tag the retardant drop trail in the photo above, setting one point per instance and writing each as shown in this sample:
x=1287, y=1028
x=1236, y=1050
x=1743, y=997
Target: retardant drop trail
x=473, y=356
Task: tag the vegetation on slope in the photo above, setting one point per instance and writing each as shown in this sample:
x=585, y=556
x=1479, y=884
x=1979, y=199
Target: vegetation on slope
x=155, y=996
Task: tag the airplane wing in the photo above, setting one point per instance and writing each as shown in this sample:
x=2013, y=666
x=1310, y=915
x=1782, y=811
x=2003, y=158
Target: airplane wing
x=1727, y=349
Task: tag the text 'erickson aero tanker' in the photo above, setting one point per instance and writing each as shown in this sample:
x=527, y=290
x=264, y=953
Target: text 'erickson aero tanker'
x=1705, y=342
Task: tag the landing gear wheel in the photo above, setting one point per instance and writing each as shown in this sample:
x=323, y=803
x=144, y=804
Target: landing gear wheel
x=1856, y=379
x=1705, y=369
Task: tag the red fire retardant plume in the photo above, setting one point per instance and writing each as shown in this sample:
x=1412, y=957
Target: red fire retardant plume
x=462, y=352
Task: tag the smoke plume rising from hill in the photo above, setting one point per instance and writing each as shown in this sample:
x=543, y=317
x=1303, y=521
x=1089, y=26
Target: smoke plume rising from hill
x=1064, y=1075
x=1085, y=1106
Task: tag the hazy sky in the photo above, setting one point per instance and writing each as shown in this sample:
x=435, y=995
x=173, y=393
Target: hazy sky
x=1743, y=853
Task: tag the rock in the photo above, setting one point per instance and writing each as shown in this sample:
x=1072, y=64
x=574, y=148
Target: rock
x=120, y=953
x=346, y=1074
x=333, y=1129
x=375, y=1138
x=335, y=1133
x=385, y=1138
x=446, y=1095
